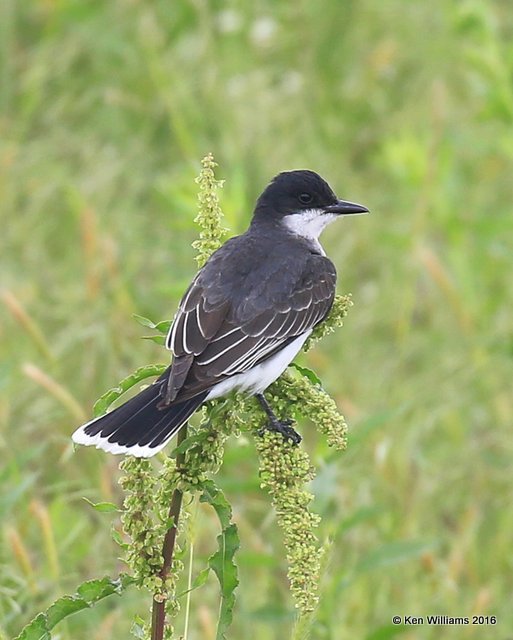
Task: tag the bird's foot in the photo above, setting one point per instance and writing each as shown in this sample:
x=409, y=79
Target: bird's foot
x=275, y=424
x=284, y=427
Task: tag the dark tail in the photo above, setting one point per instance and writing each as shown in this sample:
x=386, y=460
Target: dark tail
x=138, y=427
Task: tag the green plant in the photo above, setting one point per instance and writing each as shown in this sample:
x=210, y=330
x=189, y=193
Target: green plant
x=152, y=516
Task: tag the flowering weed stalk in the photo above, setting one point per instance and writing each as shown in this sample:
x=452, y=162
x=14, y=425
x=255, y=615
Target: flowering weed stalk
x=152, y=517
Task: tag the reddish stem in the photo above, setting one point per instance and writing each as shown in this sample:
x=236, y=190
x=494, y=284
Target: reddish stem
x=158, y=615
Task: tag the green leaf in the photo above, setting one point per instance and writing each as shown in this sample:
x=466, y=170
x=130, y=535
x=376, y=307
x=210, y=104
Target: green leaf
x=88, y=593
x=307, y=373
x=158, y=339
x=35, y=630
x=63, y=607
x=145, y=322
x=215, y=497
x=189, y=442
x=102, y=507
x=118, y=539
x=93, y=590
x=221, y=562
x=198, y=581
x=162, y=326
x=149, y=371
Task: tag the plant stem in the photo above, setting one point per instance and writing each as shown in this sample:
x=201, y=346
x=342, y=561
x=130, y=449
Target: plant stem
x=158, y=616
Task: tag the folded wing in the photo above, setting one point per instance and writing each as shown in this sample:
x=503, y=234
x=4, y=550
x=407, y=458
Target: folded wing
x=214, y=336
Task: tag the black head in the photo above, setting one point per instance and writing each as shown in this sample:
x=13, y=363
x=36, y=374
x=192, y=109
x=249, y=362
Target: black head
x=292, y=192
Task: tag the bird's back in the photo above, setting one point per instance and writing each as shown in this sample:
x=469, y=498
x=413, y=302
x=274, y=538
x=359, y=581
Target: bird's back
x=260, y=270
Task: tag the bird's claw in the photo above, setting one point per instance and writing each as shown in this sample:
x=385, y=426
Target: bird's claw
x=284, y=427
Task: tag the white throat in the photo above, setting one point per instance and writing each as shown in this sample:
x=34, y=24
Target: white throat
x=309, y=224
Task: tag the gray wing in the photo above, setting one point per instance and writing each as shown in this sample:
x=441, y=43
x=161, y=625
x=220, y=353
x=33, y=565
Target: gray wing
x=215, y=336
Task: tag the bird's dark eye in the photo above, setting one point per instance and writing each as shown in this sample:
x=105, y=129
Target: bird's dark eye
x=305, y=198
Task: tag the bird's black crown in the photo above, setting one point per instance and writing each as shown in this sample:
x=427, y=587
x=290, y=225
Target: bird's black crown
x=294, y=191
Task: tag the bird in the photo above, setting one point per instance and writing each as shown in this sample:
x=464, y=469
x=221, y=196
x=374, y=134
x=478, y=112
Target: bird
x=241, y=322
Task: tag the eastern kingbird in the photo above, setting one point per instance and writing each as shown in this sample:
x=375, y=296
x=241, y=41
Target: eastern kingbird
x=245, y=316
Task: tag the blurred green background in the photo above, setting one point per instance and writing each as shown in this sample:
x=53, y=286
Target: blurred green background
x=106, y=109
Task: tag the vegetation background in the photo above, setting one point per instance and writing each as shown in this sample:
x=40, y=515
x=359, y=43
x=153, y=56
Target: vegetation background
x=107, y=108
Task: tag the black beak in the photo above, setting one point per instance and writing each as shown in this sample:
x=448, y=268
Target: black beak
x=342, y=207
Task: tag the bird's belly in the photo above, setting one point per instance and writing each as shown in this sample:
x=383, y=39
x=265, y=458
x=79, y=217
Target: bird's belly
x=257, y=379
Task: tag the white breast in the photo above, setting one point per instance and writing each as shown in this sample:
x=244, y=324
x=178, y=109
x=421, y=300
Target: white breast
x=257, y=379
